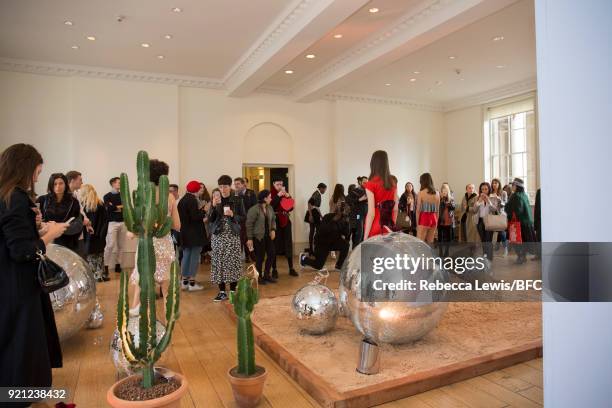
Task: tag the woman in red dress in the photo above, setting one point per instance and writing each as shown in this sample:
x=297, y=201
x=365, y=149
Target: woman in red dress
x=381, y=191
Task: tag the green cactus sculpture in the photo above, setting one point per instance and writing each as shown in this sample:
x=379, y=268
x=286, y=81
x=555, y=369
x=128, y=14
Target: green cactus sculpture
x=147, y=218
x=244, y=299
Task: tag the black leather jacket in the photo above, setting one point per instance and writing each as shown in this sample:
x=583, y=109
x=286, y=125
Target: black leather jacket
x=216, y=216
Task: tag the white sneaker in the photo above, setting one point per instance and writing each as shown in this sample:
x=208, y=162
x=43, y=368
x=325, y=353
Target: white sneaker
x=195, y=287
x=184, y=286
x=506, y=251
x=135, y=311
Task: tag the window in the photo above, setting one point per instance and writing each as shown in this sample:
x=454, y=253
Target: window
x=511, y=144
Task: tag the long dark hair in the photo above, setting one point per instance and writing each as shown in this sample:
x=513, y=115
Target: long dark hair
x=17, y=166
x=484, y=183
x=206, y=196
x=413, y=193
x=338, y=193
x=427, y=183
x=67, y=196
x=379, y=166
x=499, y=188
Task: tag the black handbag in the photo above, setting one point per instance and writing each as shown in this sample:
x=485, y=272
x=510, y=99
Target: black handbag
x=51, y=276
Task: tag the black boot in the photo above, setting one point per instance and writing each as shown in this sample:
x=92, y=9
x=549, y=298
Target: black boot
x=269, y=278
x=292, y=272
x=275, y=274
x=118, y=268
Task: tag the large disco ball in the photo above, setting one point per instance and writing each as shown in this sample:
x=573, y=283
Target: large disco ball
x=315, y=308
x=395, y=322
x=124, y=368
x=73, y=303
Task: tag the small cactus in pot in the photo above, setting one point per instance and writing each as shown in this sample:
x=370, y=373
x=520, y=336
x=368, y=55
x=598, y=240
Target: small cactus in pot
x=247, y=379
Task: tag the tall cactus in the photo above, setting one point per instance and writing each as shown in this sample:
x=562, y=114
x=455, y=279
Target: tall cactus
x=244, y=299
x=147, y=218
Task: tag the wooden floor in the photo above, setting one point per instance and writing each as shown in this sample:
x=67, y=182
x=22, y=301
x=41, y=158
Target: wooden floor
x=203, y=348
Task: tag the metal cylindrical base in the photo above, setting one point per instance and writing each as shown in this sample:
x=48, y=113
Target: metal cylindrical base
x=369, y=358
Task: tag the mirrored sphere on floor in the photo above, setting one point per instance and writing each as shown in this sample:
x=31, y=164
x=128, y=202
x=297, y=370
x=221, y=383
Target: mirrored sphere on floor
x=400, y=321
x=121, y=364
x=73, y=303
x=315, y=308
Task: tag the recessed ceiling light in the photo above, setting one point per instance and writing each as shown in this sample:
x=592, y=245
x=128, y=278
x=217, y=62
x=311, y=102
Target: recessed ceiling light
x=373, y=10
x=288, y=71
x=438, y=82
x=412, y=79
x=337, y=35
x=160, y=57
x=462, y=79
x=500, y=66
x=75, y=47
x=416, y=72
x=91, y=38
x=310, y=56
x=429, y=90
x=68, y=22
x=387, y=84
x=177, y=9
x=145, y=45
x=498, y=38
x=452, y=57
x=168, y=37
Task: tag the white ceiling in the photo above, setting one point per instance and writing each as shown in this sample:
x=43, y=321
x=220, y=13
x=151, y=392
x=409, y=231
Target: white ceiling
x=477, y=58
x=243, y=45
x=208, y=37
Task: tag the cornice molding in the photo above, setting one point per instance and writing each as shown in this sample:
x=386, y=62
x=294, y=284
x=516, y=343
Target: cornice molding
x=273, y=35
x=385, y=101
x=46, y=68
x=506, y=91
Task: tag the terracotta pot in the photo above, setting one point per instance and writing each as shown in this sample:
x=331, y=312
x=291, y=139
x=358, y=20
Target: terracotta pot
x=167, y=401
x=247, y=390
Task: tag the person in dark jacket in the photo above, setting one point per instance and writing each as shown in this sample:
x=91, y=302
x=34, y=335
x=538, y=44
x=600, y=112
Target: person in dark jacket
x=116, y=235
x=249, y=199
x=355, y=218
x=261, y=231
x=518, y=205
x=332, y=235
x=59, y=205
x=284, y=237
x=407, y=205
x=95, y=234
x=225, y=218
x=537, y=225
x=192, y=235
x=313, y=214
x=29, y=343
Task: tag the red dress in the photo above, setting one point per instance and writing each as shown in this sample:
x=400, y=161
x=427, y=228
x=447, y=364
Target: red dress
x=377, y=187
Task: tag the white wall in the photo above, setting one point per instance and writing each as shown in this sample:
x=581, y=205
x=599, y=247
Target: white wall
x=572, y=41
x=96, y=126
x=465, y=148
x=414, y=140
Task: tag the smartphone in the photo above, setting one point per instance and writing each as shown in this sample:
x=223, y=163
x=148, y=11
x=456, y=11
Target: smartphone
x=226, y=210
x=70, y=220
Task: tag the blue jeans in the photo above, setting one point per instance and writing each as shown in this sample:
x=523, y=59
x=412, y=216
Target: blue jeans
x=191, y=262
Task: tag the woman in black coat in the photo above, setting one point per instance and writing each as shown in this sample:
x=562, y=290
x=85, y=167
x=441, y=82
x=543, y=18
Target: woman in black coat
x=29, y=344
x=59, y=205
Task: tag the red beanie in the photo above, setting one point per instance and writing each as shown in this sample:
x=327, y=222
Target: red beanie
x=193, y=186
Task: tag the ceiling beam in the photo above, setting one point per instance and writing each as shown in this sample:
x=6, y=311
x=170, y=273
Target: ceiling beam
x=427, y=22
x=301, y=24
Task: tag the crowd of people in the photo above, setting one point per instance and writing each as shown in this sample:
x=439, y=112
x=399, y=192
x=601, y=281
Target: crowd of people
x=228, y=226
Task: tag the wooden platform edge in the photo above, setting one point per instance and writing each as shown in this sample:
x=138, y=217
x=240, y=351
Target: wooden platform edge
x=391, y=390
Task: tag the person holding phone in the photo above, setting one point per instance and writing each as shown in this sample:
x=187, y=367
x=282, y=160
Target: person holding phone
x=225, y=217
x=28, y=334
x=261, y=231
x=60, y=206
x=284, y=237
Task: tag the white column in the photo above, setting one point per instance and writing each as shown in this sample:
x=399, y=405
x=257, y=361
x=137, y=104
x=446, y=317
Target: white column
x=574, y=59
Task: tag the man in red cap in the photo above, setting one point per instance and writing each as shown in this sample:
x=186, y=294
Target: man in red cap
x=192, y=235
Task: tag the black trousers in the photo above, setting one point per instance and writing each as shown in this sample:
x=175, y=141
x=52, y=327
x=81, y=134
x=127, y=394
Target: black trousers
x=264, y=249
x=323, y=250
x=357, y=233
x=311, y=234
x=445, y=236
x=284, y=243
x=486, y=237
